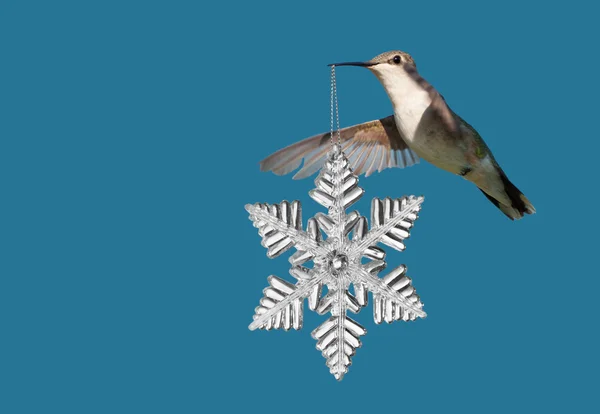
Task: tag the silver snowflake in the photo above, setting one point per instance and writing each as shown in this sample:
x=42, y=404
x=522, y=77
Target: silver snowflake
x=338, y=262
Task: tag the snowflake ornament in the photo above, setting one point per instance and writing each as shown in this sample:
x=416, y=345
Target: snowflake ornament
x=339, y=261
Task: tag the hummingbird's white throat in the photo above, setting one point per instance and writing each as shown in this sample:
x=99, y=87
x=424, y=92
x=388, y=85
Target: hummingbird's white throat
x=408, y=98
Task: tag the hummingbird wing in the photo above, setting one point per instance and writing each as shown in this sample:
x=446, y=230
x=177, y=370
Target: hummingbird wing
x=369, y=147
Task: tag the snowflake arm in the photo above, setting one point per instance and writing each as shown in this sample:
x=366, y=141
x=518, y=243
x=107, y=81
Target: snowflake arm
x=393, y=293
x=281, y=297
x=391, y=221
x=280, y=225
x=338, y=337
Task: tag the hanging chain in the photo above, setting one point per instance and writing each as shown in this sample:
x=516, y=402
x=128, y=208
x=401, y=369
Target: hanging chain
x=334, y=110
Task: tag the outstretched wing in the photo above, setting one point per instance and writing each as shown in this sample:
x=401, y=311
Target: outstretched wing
x=369, y=147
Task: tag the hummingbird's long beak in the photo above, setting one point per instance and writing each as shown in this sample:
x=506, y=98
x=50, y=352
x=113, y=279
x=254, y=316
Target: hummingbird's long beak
x=363, y=64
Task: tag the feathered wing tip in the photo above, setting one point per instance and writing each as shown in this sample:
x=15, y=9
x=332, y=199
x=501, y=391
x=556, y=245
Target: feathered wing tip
x=370, y=147
x=289, y=158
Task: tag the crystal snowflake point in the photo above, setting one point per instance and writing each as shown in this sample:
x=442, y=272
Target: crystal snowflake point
x=337, y=262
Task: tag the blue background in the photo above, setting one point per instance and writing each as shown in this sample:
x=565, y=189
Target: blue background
x=130, y=139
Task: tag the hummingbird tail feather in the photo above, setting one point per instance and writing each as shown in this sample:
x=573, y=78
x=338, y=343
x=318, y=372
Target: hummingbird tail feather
x=519, y=204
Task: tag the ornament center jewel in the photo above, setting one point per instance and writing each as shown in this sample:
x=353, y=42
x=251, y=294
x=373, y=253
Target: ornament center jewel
x=338, y=263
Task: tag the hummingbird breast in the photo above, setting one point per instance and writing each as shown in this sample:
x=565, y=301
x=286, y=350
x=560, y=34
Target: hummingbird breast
x=410, y=101
x=420, y=126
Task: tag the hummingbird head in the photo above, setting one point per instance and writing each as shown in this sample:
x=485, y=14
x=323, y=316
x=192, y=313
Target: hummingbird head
x=386, y=66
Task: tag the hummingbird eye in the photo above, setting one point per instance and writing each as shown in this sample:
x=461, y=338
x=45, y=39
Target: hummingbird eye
x=397, y=59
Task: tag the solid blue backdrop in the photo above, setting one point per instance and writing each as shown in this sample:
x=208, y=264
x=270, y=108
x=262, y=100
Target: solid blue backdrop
x=130, y=139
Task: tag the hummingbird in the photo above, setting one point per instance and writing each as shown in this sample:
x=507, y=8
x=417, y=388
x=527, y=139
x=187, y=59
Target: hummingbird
x=422, y=126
